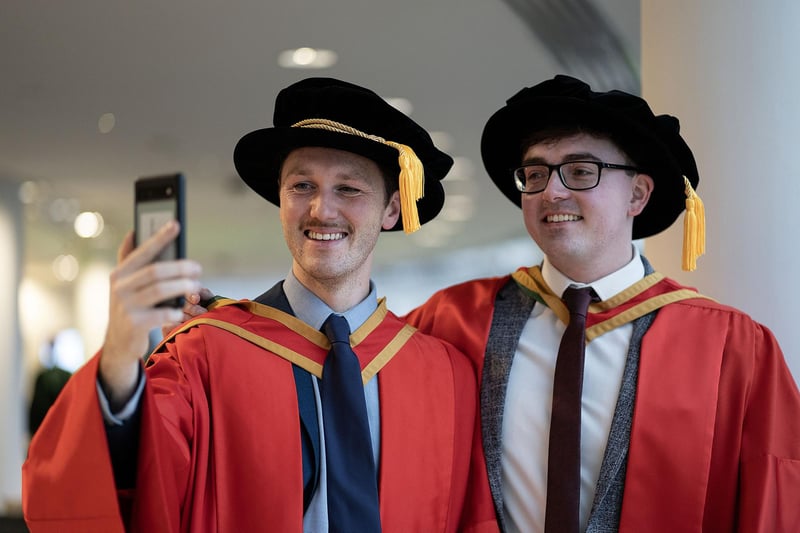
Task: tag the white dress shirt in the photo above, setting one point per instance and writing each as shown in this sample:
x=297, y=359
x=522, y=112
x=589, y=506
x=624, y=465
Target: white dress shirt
x=526, y=419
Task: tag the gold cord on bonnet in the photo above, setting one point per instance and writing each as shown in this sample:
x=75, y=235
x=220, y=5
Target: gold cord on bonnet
x=412, y=173
x=694, y=228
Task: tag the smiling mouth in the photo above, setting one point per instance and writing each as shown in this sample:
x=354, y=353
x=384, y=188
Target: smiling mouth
x=315, y=236
x=563, y=218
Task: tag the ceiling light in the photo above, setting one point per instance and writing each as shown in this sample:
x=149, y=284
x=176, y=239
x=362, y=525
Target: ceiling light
x=306, y=57
x=302, y=57
x=28, y=192
x=89, y=225
x=65, y=267
x=106, y=122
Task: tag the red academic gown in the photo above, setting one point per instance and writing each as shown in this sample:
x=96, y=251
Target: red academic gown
x=220, y=435
x=715, y=438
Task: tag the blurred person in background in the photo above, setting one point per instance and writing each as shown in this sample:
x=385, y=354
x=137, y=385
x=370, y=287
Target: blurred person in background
x=60, y=356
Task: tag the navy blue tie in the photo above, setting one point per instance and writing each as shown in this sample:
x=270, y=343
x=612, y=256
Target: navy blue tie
x=352, y=476
x=562, y=514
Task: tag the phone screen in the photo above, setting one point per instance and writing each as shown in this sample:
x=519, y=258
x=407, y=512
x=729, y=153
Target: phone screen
x=151, y=216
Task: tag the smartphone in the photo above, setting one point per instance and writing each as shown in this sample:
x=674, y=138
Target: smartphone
x=157, y=200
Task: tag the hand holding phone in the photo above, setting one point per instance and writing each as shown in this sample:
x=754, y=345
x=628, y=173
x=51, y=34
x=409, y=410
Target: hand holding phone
x=158, y=200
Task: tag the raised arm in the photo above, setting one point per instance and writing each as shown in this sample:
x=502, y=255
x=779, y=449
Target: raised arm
x=137, y=285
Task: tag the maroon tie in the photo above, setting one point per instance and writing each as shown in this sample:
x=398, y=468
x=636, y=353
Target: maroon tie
x=564, y=457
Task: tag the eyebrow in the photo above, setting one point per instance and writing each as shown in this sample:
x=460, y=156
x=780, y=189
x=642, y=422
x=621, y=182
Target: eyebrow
x=301, y=170
x=576, y=156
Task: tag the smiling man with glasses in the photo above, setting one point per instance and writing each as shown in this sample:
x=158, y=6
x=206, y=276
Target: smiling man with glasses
x=682, y=414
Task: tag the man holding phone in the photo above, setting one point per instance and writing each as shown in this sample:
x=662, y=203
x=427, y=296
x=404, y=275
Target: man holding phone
x=235, y=423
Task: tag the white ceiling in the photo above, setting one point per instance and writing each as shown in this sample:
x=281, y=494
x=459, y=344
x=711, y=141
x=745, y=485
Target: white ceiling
x=185, y=79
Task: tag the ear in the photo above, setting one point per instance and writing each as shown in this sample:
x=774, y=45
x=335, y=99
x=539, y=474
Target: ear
x=641, y=188
x=392, y=211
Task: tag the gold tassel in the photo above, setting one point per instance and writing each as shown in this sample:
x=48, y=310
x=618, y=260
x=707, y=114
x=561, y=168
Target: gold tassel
x=411, y=184
x=694, y=228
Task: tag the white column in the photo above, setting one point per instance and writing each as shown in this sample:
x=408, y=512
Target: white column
x=730, y=71
x=14, y=434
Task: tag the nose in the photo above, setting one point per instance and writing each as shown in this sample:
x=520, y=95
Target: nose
x=555, y=189
x=323, y=205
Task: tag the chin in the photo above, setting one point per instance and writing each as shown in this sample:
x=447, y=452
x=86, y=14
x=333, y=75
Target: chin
x=569, y=252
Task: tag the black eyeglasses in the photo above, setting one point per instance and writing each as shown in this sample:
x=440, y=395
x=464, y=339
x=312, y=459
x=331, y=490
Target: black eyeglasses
x=575, y=175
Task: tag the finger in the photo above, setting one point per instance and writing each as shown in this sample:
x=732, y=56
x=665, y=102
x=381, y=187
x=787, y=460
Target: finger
x=206, y=294
x=148, y=250
x=162, y=271
x=156, y=293
x=193, y=298
x=203, y=295
x=155, y=283
x=192, y=310
x=126, y=247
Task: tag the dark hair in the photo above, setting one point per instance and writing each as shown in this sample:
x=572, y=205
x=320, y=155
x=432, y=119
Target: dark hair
x=561, y=131
x=391, y=179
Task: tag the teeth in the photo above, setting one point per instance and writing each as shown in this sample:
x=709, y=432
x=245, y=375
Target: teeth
x=562, y=218
x=325, y=236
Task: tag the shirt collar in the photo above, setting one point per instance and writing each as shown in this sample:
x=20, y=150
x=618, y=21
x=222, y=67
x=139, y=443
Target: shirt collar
x=309, y=308
x=605, y=287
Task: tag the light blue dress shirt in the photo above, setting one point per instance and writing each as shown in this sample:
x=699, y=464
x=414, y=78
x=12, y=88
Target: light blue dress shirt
x=313, y=311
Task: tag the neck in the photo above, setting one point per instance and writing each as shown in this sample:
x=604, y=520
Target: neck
x=340, y=293
x=587, y=272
